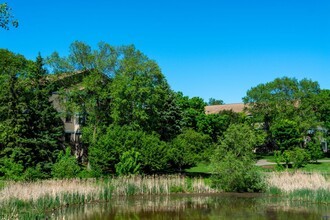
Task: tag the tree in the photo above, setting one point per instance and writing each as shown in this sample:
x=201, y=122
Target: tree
x=13, y=103
x=45, y=128
x=141, y=96
x=215, y=125
x=89, y=94
x=6, y=18
x=286, y=135
x=30, y=126
x=233, y=161
x=283, y=98
x=191, y=108
x=213, y=101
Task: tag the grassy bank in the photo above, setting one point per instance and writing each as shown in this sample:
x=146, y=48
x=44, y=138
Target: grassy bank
x=38, y=199
x=309, y=187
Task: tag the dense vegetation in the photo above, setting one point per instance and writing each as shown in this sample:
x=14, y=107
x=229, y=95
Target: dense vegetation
x=132, y=122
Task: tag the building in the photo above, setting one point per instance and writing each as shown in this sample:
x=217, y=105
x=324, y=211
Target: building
x=215, y=109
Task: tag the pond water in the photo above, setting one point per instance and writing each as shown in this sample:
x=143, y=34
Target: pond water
x=215, y=206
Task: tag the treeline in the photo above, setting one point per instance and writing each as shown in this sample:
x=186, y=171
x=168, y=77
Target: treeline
x=132, y=122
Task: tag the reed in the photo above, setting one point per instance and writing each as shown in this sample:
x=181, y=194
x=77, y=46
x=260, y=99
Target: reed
x=36, y=199
x=311, y=187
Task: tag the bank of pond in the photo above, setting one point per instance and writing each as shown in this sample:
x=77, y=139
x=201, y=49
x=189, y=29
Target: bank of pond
x=176, y=196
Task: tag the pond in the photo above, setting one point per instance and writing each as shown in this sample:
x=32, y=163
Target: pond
x=209, y=206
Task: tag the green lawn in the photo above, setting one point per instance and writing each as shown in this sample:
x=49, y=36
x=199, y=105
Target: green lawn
x=269, y=157
x=318, y=167
x=200, y=168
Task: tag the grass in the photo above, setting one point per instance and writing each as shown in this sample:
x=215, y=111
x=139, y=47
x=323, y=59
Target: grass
x=269, y=157
x=317, y=167
x=200, y=168
x=33, y=200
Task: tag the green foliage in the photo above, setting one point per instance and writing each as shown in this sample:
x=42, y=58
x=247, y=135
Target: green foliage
x=215, y=124
x=6, y=17
x=297, y=156
x=34, y=173
x=315, y=150
x=129, y=163
x=188, y=148
x=286, y=134
x=10, y=170
x=213, y=101
x=283, y=99
x=111, y=145
x=233, y=161
x=142, y=98
x=66, y=166
x=237, y=175
x=191, y=108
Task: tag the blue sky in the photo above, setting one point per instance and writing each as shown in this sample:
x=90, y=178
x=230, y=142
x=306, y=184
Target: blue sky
x=206, y=48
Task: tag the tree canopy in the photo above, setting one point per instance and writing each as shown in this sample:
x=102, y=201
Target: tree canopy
x=6, y=17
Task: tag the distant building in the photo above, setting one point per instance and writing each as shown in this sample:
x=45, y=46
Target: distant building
x=215, y=109
x=72, y=121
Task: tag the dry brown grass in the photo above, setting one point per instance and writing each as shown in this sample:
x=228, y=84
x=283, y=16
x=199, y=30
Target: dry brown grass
x=135, y=185
x=289, y=182
x=26, y=191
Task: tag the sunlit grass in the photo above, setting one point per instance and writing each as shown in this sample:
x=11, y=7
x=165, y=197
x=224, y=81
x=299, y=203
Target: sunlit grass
x=200, y=168
x=317, y=167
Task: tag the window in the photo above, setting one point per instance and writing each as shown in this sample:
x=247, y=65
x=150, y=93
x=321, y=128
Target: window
x=68, y=118
x=67, y=137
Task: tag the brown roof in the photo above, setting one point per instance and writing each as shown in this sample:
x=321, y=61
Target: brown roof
x=214, y=109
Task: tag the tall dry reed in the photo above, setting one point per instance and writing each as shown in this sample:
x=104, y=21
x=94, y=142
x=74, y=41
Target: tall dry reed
x=46, y=195
x=288, y=182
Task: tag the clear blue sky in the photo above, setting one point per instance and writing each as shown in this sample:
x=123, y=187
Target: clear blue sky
x=205, y=48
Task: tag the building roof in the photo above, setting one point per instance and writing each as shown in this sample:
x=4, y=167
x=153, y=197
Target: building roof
x=215, y=109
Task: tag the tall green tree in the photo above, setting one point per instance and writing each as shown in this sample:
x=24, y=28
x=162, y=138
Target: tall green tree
x=13, y=105
x=283, y=98
x=89, y=94
x=30, y=126
x=45, y=128
x=141, y=96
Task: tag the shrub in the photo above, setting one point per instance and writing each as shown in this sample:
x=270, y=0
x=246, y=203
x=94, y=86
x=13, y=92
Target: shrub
x=129, y=163
x=10, y=170
x=66, y=166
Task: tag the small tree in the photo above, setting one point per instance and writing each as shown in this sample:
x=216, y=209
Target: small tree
x=233, y=161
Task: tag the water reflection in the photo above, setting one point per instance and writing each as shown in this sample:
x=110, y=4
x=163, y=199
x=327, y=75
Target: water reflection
x=216, y=206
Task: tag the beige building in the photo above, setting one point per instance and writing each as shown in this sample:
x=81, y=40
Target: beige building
x=215, y=109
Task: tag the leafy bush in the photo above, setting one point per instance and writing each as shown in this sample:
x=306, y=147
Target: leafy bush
x=188, y=148
x=66, y=166
x=129, y=163
x=10, y=170
x=315, y=150
x=34, y=173
x=298, y=157
x=110, y=147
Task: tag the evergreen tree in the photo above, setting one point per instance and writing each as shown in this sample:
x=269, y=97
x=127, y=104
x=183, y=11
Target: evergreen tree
x=45, y=128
